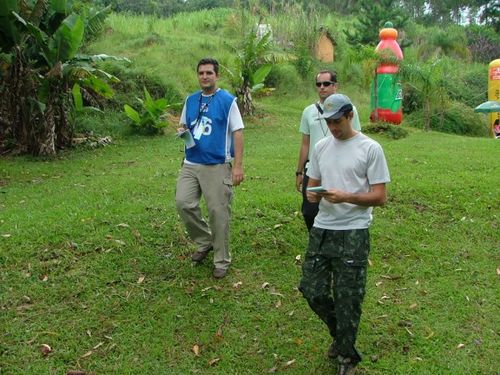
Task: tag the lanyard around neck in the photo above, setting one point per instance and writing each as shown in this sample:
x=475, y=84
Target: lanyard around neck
x=320, y=112
x=203, y=107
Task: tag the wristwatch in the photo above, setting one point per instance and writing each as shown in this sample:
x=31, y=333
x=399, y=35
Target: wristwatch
x=298, y=173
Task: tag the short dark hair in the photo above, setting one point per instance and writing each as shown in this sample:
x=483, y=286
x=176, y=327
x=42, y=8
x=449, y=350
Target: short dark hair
x=333, y=75
x=209, y=61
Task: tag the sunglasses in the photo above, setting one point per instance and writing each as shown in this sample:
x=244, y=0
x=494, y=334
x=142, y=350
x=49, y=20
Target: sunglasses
x=326, y=83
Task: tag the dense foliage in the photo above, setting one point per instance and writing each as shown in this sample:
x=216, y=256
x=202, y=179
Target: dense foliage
x=39, y=45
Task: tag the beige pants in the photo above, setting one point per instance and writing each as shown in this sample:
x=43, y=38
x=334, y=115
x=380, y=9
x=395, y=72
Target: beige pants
x=214, y=182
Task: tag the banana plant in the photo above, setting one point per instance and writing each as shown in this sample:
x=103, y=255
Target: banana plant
x=39, y=42
x=151, y=120
x=254, y=60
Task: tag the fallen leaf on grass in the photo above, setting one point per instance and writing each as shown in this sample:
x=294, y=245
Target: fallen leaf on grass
x=45, y=349
x=123, y=225
x=88, y=354
x=405, y=323
x=76, y=372
x=277, y=226
x=431, y=333
x=265, y=285
x=6, y=235
x=498, y=271
x=196, y=350
x=44, y=278
x=289, y=363
x=370, y=263
x=24, y=307
x=460, y=346
x=278, y=304
x=120, y=242
x=272, y=370
x=277, y=294
x=141, y=279
x=137, y=235
x=413, y=306
x=237, y=285
x=98, y=345
x=374, y=358
x=395, y=277
x=73, y=245
x=214, y=361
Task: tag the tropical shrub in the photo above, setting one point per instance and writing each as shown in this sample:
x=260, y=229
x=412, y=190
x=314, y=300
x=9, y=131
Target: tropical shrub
x=483, y=43
x=152, y=118
x=254, y=59
x=285, y=78
x=456, y=118
x=389, y=130
x=39, y=44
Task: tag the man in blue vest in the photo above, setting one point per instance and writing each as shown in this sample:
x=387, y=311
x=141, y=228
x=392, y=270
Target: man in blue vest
x=213, y=164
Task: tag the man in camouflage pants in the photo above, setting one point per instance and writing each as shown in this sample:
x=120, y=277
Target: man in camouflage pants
x=352, y=171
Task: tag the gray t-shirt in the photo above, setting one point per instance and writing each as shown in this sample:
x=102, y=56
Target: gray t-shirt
x=351, y=165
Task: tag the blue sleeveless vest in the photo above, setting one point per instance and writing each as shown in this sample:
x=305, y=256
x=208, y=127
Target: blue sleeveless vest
x=207, y=118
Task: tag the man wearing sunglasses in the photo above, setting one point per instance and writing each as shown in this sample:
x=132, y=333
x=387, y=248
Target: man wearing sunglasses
x=313, y=128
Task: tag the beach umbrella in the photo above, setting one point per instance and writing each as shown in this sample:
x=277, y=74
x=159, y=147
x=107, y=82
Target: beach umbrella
x=488, y=107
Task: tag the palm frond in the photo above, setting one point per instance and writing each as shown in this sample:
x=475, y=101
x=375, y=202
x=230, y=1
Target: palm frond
x=38, y=11
x=95, y=21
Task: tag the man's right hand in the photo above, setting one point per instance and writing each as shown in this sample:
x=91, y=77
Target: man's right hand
x=298, y=183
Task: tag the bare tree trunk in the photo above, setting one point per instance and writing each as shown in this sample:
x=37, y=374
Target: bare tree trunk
x=46, y=140
x=427, y=114
x=245, y=100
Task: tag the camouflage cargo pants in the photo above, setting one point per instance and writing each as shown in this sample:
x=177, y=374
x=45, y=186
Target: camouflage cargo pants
x=333, y=282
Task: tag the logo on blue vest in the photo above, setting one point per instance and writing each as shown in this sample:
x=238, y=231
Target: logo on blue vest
x=203, y=127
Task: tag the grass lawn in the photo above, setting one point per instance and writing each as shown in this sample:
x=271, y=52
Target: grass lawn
x=95, y=264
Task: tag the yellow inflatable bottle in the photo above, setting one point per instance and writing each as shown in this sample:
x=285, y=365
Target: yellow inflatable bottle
x=494, y=94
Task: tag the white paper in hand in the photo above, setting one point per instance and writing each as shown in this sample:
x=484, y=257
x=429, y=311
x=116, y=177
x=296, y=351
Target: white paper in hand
x=187, y=137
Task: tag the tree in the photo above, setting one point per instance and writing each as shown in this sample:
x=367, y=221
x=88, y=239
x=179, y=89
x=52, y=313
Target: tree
x=39, y=48
x=429, y=80
x=450, y=41
x=372, y=18
x=254, y=60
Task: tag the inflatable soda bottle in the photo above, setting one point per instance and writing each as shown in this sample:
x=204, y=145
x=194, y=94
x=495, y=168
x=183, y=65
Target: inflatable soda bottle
x=386, y=92
x=494, y=94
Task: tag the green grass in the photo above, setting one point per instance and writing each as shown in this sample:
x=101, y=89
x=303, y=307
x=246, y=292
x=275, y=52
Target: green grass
x=95, y=263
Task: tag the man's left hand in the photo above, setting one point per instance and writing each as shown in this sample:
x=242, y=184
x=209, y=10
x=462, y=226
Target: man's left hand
x=335, y=196
x=238, y=175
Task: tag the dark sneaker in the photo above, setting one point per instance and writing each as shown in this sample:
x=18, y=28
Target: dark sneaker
x=333, y=352
x=347, y=368
x=200, y=255
x=219, y=273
